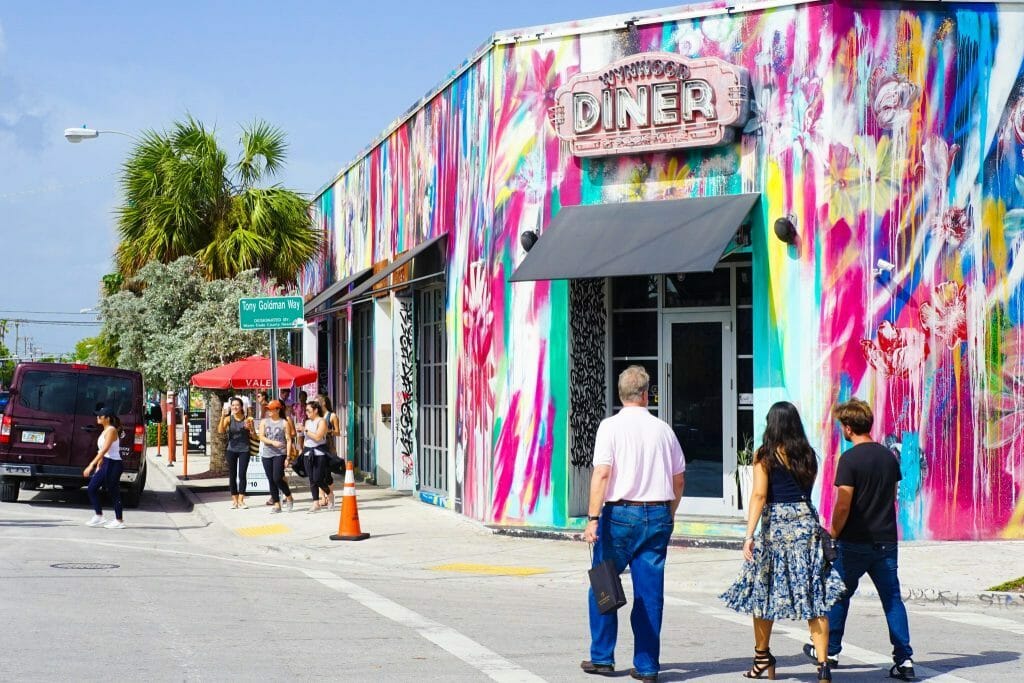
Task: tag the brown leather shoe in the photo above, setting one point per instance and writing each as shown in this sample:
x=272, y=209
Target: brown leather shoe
x=647, y=678
x=600, y=669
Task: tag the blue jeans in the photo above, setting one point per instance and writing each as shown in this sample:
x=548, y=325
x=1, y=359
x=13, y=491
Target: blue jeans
x=879, y=561
x=636, y=537
x=107, y=476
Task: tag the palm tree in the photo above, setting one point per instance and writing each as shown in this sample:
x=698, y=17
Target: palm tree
x=183, y=198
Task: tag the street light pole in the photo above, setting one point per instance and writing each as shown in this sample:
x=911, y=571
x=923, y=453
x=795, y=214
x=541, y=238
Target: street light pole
x=76, y=135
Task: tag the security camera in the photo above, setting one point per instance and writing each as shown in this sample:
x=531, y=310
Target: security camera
x=883, y=266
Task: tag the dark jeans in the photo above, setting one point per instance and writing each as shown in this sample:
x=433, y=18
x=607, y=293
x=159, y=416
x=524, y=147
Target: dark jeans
x=238, y=465
x=107, y=476
x=273, y=466
x=879, y=561
x=319, y=474
x=636, y=537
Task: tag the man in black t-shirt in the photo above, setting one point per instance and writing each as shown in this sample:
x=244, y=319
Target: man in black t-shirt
x=864, y=522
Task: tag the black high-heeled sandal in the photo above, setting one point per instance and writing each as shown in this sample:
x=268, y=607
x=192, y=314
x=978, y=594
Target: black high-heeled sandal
x=764, y=663
x=824, y=671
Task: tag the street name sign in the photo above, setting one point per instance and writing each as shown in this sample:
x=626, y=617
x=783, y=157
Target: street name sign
x=271, y=313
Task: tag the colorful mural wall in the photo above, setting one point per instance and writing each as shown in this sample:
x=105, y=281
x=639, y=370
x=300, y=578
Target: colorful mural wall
x=886, y=131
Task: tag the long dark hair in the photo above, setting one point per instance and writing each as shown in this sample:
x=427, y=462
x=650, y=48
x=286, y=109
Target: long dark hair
x=785, y=432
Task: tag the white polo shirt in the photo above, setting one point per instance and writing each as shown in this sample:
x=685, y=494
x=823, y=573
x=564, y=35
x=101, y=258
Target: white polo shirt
x=643, y=452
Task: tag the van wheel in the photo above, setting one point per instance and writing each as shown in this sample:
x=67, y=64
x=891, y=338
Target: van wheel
x=8, y=490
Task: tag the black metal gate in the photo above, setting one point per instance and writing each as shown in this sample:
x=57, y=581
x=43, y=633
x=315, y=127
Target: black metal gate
x=362, y=378
x=433, y=390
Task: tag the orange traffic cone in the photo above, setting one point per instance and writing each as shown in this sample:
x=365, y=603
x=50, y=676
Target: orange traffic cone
x=348, y=525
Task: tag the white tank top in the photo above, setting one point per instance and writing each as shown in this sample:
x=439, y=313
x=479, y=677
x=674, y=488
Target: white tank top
x=115, y=448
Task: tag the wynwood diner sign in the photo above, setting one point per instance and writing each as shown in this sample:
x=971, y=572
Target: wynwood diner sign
x=651, y=102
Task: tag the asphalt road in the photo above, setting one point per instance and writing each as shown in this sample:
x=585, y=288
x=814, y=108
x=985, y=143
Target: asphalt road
x=173, y=598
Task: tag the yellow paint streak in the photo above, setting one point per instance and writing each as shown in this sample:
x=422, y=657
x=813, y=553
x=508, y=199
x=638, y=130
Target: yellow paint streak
x=489, y=569
x=992, y=213
x=266, y=530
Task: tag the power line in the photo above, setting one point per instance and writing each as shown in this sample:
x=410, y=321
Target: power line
x=60, y=323
x=14, y=310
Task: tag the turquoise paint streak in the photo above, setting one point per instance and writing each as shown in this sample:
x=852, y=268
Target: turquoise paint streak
x=977, y=27
x=910, y=506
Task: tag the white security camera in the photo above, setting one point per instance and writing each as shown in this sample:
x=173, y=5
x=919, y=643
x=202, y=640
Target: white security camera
x=882, y=266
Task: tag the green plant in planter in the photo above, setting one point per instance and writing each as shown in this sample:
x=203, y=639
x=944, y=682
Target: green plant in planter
x=745, y=456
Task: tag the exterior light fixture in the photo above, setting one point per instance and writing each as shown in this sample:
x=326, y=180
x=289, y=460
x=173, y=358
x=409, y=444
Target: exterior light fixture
x=528, y=239
x=785, y=230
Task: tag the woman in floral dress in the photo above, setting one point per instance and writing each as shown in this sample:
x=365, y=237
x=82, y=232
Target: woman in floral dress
x=784, y=575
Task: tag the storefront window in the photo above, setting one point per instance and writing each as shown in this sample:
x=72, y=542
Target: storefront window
x=635, y=334
x=635, y=292
x=690, y=290
x=652, y=369
x=744, y=286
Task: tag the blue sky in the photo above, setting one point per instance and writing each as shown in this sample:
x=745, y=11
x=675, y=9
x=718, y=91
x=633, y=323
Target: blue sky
x=331, y=74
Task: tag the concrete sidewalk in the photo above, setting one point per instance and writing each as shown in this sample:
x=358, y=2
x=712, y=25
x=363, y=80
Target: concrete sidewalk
x=419, y=540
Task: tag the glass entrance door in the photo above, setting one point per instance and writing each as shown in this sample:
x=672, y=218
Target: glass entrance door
x=698, y=401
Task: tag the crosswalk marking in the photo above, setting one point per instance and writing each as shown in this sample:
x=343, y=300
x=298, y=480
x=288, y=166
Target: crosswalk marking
x=975, y=619
x=800, y=635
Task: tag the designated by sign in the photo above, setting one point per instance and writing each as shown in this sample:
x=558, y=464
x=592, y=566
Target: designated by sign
x=271, y=313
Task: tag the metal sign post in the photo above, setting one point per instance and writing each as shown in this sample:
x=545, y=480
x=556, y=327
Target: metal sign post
x=274, y=391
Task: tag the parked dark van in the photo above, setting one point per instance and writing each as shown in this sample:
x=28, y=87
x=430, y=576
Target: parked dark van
x=48, y=432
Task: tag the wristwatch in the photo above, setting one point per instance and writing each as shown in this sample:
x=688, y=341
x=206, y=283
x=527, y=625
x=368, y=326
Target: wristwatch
x=593, y=518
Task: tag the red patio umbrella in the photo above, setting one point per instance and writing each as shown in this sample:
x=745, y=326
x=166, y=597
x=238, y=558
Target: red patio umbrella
x=252, y=373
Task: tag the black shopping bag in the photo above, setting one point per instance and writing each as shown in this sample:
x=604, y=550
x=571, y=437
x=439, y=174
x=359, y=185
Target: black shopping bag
x=607, y=587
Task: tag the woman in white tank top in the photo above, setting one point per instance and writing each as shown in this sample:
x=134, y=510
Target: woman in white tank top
x=105, y=470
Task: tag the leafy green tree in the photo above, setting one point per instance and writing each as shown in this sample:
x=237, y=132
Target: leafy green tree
x=171, y=322
x=6, y=366
x=182, y=197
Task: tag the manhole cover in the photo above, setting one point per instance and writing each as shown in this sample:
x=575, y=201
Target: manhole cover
x=85, y=565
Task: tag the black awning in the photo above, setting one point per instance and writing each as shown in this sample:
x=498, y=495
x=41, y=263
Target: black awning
x=636, y=238
x=323, y=299
x=400, y=261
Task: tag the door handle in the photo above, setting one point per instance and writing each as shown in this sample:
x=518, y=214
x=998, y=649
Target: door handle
x=90, y=428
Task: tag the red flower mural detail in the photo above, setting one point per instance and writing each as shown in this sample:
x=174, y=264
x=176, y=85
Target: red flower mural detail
x=898, y=350
x=945, y=317
x=954, y=225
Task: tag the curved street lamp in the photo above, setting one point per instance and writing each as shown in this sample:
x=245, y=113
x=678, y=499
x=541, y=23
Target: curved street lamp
x=76, y=135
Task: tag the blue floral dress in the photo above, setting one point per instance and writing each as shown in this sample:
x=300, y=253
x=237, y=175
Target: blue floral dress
x=788, y=577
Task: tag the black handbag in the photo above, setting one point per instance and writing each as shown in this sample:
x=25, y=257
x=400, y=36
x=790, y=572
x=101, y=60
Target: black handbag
x=299, y=465
x=335, y=463
x=828, y=544
x=829, y=550
x=607, y=586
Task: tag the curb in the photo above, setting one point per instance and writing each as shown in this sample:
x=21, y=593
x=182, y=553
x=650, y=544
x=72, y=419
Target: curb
x=184, y=492
x=573, y=535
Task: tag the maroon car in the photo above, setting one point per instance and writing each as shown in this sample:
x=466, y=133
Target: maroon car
x=48, y=431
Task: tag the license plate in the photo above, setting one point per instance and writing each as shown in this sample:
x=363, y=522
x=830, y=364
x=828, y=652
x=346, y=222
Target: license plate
x=33, y=437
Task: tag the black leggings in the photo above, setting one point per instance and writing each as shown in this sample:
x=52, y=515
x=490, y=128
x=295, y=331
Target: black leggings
x=274, y=467
x=238, y=465
x=320, y=478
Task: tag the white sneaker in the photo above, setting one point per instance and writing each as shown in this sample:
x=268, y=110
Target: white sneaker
x=275, y=510
x=97, y=520
x=114, y=524
x=290, y=504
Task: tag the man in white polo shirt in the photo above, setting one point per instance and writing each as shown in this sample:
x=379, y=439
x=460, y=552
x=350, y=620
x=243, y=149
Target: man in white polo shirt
x=634, y=492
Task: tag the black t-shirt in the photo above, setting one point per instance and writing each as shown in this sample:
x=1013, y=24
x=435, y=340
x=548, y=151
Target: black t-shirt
x=873, y=472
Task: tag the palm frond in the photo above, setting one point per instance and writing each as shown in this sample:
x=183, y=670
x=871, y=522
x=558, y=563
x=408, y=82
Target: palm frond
x=263, y=153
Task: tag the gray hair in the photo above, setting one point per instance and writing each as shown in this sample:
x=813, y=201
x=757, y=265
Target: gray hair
x=633, y=383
